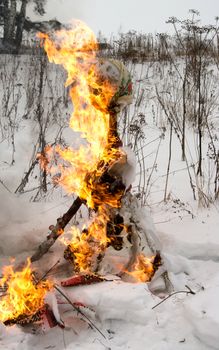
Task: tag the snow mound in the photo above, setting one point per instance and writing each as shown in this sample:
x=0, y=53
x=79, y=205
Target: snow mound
x=202, y=313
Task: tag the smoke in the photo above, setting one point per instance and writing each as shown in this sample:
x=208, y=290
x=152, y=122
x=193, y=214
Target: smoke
x=62, y=10
x=66, y=10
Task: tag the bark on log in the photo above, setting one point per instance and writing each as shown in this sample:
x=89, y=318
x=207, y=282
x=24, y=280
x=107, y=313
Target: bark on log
x=56, y=230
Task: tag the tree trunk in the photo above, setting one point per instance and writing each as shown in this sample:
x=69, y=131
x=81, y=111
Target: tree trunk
x=6, y=20
x=9, y=21
x=12, y=18
x=20, y=25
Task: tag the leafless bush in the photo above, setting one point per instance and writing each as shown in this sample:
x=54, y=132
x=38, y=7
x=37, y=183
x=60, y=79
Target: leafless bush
x=11, y=87
x=30, y=92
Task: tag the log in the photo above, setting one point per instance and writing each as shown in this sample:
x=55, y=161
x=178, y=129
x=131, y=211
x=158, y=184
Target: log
x=56, y=230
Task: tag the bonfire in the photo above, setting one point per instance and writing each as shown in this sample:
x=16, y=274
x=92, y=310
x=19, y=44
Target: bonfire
x=95, y=173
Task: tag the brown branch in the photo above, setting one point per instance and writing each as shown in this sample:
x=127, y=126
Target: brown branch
x=48, y=272
x=189, y=291
x=57, y=230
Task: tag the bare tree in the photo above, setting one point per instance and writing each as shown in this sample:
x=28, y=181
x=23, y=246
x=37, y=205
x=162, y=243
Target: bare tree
x=20, y=24
x=13, y=19
x=39, y=8
x=9, y=15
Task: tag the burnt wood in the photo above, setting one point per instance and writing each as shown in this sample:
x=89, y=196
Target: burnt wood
x=57, y=230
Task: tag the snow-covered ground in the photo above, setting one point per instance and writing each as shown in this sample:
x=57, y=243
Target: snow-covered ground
x=121, y=310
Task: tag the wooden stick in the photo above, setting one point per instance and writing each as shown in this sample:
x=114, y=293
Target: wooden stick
x=56, y=230
x=189, y=291
x=92, y=325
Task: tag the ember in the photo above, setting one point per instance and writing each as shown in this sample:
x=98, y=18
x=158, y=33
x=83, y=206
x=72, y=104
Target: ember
x=24, y=297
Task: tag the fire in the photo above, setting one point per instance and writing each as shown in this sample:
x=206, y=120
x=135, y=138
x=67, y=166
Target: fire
x=84, y=171
x=143, y=269
x=91, y=94
x=24, y=296
x=85, y=247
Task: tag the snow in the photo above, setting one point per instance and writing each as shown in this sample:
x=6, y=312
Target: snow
x=203, y=314
x=186, y=235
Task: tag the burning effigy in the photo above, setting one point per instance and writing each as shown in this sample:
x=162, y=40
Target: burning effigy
x=99, y=173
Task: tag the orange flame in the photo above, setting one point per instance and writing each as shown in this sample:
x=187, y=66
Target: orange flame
x=83, y=171
x=91, y=94
x=143, y=269
x=23, y=296
x=86, y=246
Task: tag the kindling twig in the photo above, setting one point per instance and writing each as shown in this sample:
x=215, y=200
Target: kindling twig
x=189, y=291
x=169, y=161
x=46, y=273
x=3, y=184
x=78, y=310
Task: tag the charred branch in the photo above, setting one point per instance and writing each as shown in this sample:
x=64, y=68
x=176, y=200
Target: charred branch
x=114, y=228
x=42, y=26
x=56, y=230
